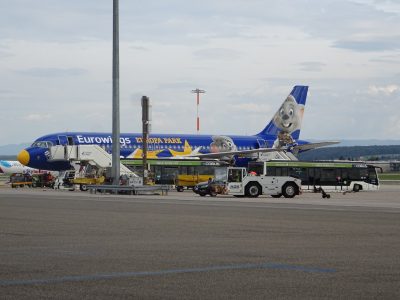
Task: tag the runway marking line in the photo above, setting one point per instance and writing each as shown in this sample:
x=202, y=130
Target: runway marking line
x=78, y=278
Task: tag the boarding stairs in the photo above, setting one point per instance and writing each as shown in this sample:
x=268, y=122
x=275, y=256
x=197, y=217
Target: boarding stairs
x=92, y=154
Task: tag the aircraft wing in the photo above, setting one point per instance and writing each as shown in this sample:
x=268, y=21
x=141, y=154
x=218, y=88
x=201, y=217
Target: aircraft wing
x=310, y=146
x=231, y=153
x=294, y=149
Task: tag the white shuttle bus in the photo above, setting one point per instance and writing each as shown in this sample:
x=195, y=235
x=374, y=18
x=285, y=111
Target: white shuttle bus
x=331, y=176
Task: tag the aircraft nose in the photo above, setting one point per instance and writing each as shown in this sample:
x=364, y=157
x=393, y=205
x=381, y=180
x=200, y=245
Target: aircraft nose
x=23, y=157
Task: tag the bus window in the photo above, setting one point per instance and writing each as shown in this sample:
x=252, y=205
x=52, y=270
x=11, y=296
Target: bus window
x=271, y=171
x=354, y=174
x=363, y=174
x=168, y=175
x=283, y=171
x=298, y=173
x=328, y=176
x=190, y=171
x=205, y=170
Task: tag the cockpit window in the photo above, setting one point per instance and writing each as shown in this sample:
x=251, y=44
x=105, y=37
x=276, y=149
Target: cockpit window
x=42, y=144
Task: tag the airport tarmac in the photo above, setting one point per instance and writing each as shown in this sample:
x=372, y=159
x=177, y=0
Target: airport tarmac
x=60, y=244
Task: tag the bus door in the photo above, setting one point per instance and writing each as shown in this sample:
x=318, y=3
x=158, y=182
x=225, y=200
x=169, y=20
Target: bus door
x=315, y=179
x=344, y=178
x=339, y=178
x=372, y=175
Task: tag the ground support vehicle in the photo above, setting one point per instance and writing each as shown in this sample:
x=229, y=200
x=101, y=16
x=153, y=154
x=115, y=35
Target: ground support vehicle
x=212, y=188
x=43, y=180
x=20, y=180
x=64, y=180
x=240, y=183
x=83, y=182
x=190, y=181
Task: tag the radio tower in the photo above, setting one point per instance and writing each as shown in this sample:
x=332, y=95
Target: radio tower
x=198, y=92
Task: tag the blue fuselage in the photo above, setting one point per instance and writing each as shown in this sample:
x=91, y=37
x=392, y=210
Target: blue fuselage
x=131, y=145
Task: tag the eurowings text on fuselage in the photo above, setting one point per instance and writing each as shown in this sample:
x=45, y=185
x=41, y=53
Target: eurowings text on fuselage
x=282, y=130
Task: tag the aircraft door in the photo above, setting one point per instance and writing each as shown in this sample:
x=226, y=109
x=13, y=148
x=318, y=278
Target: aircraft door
x=63, y=140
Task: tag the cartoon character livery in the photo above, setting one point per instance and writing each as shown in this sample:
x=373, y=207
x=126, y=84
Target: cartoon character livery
x=233, y=148
x=286, y=123
x=288, y=119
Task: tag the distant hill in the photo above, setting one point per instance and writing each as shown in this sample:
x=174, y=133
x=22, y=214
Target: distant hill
x=372, y=142
x=353, y=153
x=8, y=157
x=12, y=149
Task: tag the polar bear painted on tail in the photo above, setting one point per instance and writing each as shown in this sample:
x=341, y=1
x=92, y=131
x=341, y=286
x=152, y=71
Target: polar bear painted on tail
x=287, y=119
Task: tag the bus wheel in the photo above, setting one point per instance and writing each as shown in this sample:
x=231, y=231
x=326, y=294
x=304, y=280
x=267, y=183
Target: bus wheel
x=83, y=187
x=179, y=188
x=276, y=196
x=253, y=190
x=289, y=190
x=356, y=188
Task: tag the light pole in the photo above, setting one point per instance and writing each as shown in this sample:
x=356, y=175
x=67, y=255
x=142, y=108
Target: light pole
x=198, y=92
x=115, y=168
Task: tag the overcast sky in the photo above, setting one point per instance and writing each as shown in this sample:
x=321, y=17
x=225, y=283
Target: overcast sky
x=56, y=65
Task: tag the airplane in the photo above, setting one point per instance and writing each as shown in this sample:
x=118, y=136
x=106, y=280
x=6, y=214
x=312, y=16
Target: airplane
x=12, y=166
x=282, y=132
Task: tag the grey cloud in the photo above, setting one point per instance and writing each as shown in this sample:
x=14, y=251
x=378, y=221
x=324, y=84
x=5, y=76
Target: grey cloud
x=312, y=66
x=52, y=72
x=180, y=85
x=139, y=48
x=389, y=59
x=4, y=54
x=217, y=54
x=372, y=45
x=177, y=22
